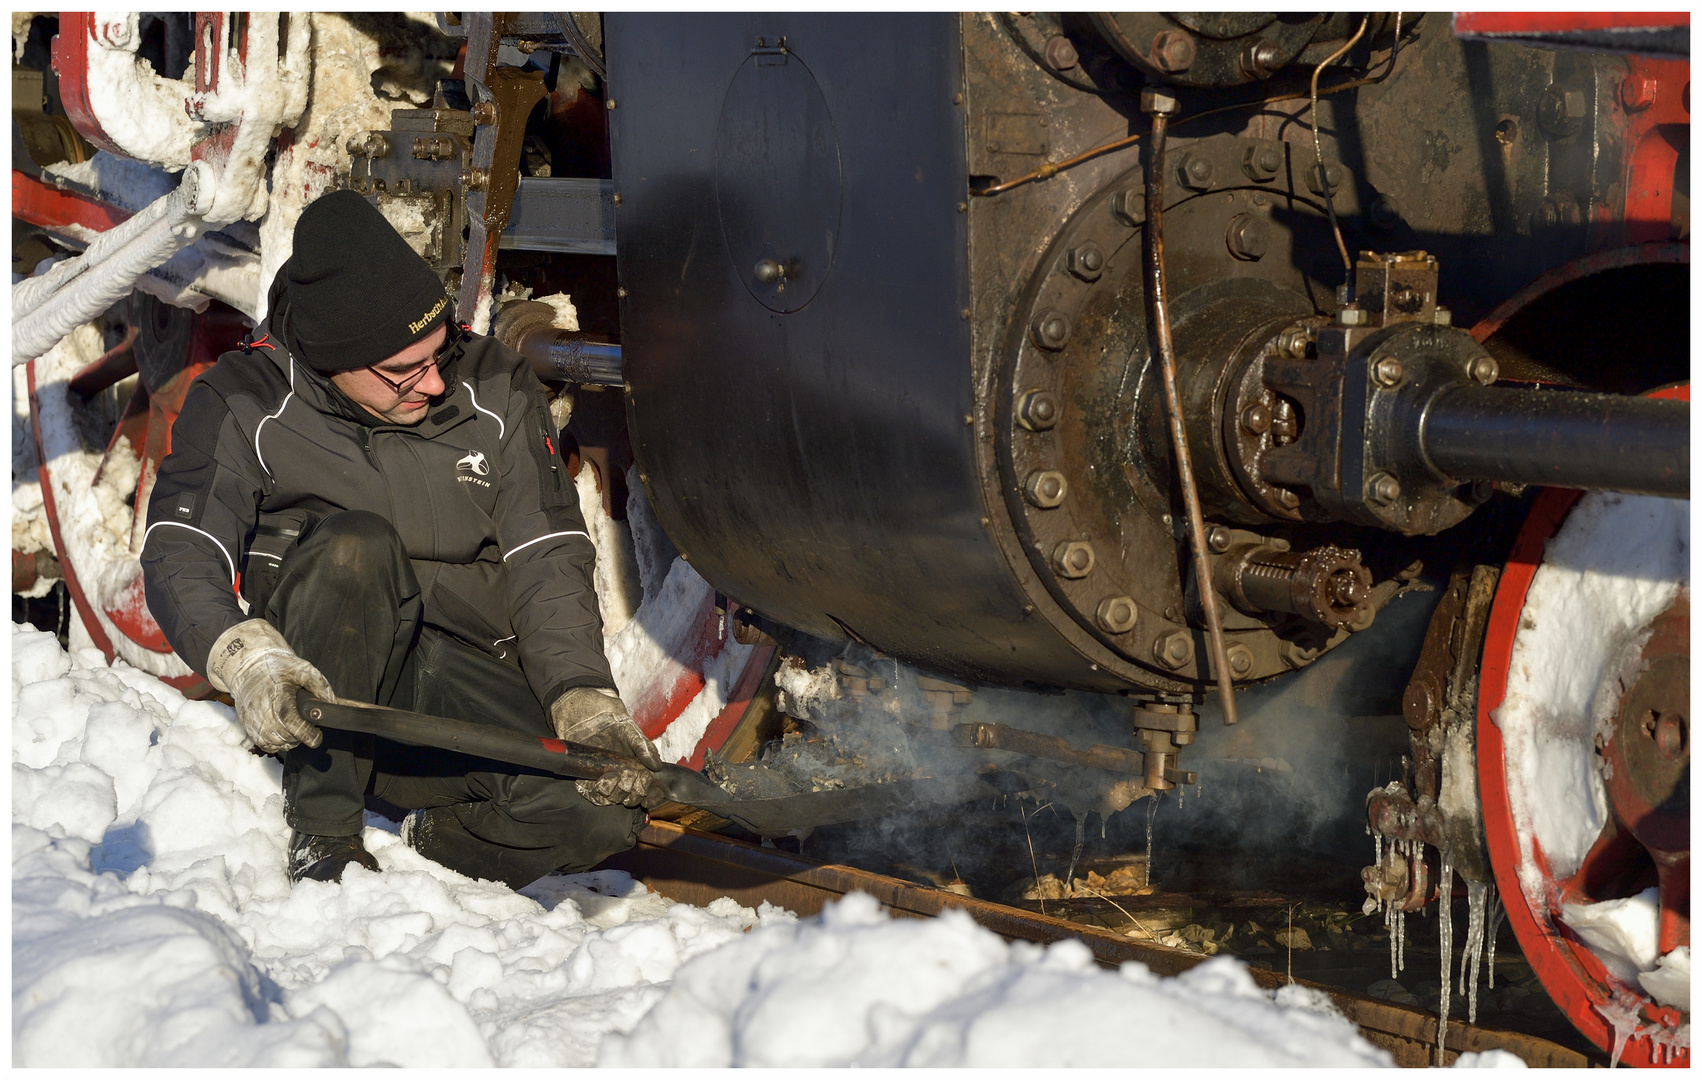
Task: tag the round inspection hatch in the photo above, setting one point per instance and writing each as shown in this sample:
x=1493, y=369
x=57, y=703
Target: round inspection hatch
x=777, y=180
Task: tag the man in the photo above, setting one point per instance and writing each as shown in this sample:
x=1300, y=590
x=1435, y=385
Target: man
x=383, y=491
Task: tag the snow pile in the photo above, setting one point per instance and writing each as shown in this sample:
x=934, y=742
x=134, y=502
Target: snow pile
x=153, y=925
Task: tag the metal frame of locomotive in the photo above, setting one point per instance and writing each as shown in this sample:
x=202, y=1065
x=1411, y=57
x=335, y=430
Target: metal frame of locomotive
x=986, y=341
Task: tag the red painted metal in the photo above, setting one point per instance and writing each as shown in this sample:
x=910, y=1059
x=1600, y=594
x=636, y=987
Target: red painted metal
x=1560, y=22
x=659, y=706
x=738, y=703
x=70, y=52
x=1571, y=974
x=49, y=207
x=1613, y=259
x=1656, y=94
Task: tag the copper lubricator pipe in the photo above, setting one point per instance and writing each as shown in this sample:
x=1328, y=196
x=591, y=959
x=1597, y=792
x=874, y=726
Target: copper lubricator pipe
x=1160, y=104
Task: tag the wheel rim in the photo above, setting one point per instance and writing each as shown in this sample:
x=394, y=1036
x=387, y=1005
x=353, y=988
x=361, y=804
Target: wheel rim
x=1645, y=836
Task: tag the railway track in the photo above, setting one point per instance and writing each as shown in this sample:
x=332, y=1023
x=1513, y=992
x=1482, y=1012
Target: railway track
x=696, y=868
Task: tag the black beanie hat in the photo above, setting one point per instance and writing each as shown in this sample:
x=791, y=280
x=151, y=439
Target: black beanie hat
x=358, y=293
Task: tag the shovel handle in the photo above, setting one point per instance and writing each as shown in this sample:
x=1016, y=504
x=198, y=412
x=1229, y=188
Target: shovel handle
x=478, y=740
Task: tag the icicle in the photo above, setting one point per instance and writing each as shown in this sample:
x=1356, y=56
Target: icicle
x=1471, y=957
x=1075, y=856
x=1496, y=912
x=1151, y=812
x=1181, y=795
x=1445, y=922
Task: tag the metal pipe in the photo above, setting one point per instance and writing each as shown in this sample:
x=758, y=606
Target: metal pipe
x=1607, y=442
x=1159, y=104
x=528, y=327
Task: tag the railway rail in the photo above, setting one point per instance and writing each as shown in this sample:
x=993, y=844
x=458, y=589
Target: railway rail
x=694, y=867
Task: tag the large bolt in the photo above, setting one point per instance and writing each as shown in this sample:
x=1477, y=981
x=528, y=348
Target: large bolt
x=1637, y=92
x=1174, y=650
x=1195, y=172
x=1561, y=112
x=1292, y=342
x=1037, y=410
x=1256, y=419
x=1240, y=660
x=1332, y=176
x=1383, y=488
x=1073, y=558
x=1219, y=539
x=1261, y=162
x=1484, y=369
x=1050, y=329
x=1116, y=614
x=1172, y=51
x=1261, y=59
x=1061, y=53
x=484, y=113
x=1047, y=490
x=1087, y=262
x=1129, y=206
x=1388, y=372
x=1385, y=213
x=1670, y=732
x=1248, y=237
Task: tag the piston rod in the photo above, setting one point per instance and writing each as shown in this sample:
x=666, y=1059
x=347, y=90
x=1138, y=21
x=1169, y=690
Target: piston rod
x=1605, y=442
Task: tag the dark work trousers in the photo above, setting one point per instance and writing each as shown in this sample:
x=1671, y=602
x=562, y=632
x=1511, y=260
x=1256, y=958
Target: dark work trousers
x=347, y=601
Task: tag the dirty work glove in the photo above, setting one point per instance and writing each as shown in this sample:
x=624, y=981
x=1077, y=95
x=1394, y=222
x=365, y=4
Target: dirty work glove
x=595, y=717
x=255, y=665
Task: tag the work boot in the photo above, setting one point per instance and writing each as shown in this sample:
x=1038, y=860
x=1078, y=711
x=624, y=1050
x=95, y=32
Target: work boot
x=323, y=858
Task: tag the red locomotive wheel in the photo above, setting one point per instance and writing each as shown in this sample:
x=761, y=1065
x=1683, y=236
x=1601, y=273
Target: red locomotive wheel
x=1583, y=763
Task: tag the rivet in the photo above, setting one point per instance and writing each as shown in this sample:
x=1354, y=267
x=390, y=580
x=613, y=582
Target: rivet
x=1240, y=659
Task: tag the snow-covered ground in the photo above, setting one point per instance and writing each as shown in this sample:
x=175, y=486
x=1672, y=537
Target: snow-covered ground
x=152, y=924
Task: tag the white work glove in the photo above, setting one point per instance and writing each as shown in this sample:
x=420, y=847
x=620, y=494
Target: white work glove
x=255, y=665
x=591, y=716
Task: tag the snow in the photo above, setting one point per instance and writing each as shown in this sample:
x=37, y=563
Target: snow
x=152, y=924
x=119, y=180
x=1669, y=983
x=1616, y=563
x=1624, y=934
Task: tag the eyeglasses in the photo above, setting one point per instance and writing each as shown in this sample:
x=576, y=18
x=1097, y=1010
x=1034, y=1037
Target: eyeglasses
x=408, y=381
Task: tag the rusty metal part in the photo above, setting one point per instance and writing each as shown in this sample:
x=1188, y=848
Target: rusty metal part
x=697, y=868
x=1160, y=105
x=1164, y=729
x=1050, y=747
x=1328, y=585
x=496, y=155
x=562, y=356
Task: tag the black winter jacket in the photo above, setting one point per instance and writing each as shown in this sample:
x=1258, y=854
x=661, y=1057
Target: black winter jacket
x=476, y=490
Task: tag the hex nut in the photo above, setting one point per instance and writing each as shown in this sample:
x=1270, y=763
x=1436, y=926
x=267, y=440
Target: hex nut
x=1050, y=329
x=1261, y=162
x=1087, y=261
x=1174, y=650
x=1129, y=206
x=1195, y=172
x=1248, y=237
x=1240, y=659
x=1073, y=558
x=1255, y=419
x=1388, y=372
x=1061, y=53
x=1219, y=539
x=1637, y=92
x=1333, y=176
x=1037, y=410
x=1383, y=488
x=1261, y=59
x=1484, y=369
x=484, y=113
x=1292, y=342
x=1047, y=489
x=1173, y=51
x=1116, y=614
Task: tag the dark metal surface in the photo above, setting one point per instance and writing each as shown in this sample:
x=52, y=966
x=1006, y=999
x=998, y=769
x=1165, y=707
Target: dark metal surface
x=570, y=215
x=697, y=868
x=1593, y=441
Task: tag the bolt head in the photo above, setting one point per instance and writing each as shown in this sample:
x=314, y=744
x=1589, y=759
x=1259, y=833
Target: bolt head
x=1050, y=329
x=1248, y=237
x=1195, y=172
x=1385, y=213
x=484, y=113
x=1061, y=53
x=1157, y=99
x=1484, y=369
x=1670, y=732
x=1637, y=92
x=1047, y=490
x=769, y=271
x=1037, y=410
x=1117, y=614
x=1261, y=59
x=1073, y=558
x=1256, y=419
x=1129, y=206
x=1174, y=650
x=1388, y=372
x=1383, y=488
x=1173, y=51
x=1218, y=539
x=1240, y=659
x=1087, y=262
x=1293, y=342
